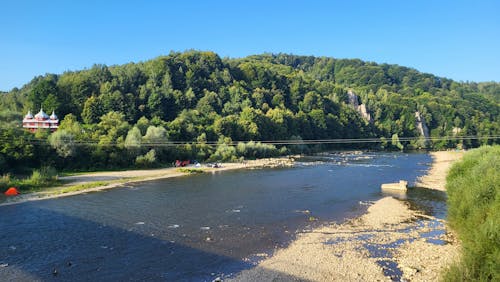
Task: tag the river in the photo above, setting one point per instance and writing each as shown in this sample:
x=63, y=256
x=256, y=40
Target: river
x=192, y=228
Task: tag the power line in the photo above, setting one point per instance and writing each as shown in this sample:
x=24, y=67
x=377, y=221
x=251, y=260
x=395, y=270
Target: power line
x=166, y=143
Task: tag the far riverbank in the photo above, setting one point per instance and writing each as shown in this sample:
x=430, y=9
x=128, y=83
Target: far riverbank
x=97, y=181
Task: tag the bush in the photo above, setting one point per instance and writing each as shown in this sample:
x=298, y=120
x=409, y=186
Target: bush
x=36, y=178
x=396, y=143
x=49, y=173
x=5, y=182
x=223, y=153
x=251, y=150
x=299, y=147
x=190, y=170
x=147, y=160
x=473, y=186
x=63, y=142
x=42, y=177
x=256, y=150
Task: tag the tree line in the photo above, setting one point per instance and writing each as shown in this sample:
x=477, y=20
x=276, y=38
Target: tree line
x=135, y=114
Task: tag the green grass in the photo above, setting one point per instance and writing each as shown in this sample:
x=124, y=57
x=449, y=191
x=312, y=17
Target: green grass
x=39, y=179
x=84, y=186
x=473, y=186
x=190, y=170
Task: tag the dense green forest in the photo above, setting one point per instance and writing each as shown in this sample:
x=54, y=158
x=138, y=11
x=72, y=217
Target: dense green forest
x=196, y=105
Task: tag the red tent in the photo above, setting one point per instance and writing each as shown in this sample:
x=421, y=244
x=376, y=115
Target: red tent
x=181, y=163
x=12, y=191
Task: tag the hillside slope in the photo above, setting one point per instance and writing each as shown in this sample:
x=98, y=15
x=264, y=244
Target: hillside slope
x=199, y=97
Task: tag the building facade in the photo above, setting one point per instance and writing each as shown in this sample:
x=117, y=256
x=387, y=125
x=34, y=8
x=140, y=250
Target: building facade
x=40, y=121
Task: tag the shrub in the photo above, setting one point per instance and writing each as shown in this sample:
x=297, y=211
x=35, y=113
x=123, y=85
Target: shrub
x=473, y=186
x=190, y=170
x=49, y=172
x=396, y=143
x=5, y=182
x=224, y=152
x=147, y=160
x=299, y=147
x=63, y=142
x=42, y=177
x=256, y=150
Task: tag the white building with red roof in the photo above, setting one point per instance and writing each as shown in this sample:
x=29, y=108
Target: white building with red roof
x=41, y=121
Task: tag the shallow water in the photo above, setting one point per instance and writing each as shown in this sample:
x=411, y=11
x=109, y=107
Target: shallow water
x=191, y=228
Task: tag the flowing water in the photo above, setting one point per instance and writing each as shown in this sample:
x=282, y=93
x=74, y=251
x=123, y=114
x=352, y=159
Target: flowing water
x=192, y=228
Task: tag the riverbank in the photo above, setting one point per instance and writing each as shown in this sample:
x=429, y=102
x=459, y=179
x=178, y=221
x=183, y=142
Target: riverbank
x=436, y=176
x=97, y=181
x=390, y=242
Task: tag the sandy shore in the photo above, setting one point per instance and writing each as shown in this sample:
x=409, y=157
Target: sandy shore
x=390, y=241
x=436, y=177
x=113, y=179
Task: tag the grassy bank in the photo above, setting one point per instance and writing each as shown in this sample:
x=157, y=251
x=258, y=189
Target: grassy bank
x=40, y=178
x=473, y=186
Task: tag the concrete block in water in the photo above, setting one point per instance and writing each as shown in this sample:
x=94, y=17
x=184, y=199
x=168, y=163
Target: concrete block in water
x=402, y=185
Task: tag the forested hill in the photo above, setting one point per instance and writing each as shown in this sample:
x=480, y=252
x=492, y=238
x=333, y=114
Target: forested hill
x=199, y=97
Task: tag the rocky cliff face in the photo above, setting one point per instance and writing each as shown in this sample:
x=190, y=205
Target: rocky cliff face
x=422, y=127
x=353, y=99
x=456, y=131
x=361, y=108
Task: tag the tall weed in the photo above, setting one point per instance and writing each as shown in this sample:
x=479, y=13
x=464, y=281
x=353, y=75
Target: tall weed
x=5, y=182
x=473, y=186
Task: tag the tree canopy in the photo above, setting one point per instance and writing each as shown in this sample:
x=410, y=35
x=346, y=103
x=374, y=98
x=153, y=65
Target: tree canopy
x=120, y=115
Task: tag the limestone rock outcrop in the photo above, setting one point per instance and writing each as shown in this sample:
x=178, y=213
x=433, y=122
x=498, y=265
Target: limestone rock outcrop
x=422, y=128
x=360, y=108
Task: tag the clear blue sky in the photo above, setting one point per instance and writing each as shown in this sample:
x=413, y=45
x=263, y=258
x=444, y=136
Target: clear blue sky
x=456, y=39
